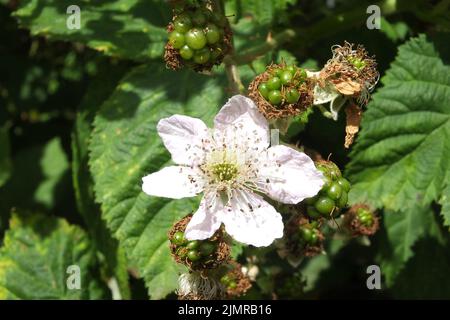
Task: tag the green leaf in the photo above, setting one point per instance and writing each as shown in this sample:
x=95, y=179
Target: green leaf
x=401, y=158
x=116, y=265
x=5, y=153
x=130, y=29
x=403, y=229
x=262, y=11
x=125, y=147
x=38, y=179
x=394, y=31
x=36, y=254
x=425, y=276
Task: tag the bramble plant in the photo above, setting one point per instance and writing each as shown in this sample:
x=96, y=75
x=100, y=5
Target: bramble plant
x=224, y=149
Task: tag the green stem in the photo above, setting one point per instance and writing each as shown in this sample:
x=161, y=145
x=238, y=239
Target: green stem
x=232, y=72
x=260, y=50
x=325, y=112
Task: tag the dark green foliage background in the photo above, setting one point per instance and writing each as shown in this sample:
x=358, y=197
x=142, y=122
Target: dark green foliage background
x=78, y=110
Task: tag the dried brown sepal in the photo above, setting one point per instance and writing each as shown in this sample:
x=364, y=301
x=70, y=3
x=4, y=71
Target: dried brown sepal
x=220, y=256
x=285, y=109
x=243, y=283
x=352, y=71
x=356, y=228
x=293, y=246
x=354, y=114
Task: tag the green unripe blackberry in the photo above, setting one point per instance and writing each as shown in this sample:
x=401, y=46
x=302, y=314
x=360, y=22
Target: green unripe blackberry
x=186, y=52
x=344, y=183
x=275, y=97
x=212, y=33
x=286, y=77
x=178, y=238
x=296, y=95
x=274, y=83
x=264, y=90
x=207, y=248
x=193, y=244
x=177, y=39
x=202, y=56
x=309, y=234
x=198, y=38
x=292, y=96
x=195, y=38
x=365, y=217
x=182, y=23
x=193, y=255
x=324, y=205
x=334, y=193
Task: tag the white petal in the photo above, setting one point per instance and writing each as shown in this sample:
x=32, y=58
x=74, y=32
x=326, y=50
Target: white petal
x=251, y=220
x=174, y=182
x=336, y=105
x=182, y=137
x=324, y=95
x=241, y=113
x=290, y=175
x=205, y=220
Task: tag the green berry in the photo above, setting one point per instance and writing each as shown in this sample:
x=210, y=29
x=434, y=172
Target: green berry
x=292, y=96
x=207, y=248
x=182, y=23
x=198, y=18
x=344, y=183
x=285, y=77
x=182, y=252
x=274, y=83
x=186, y=52
x=192, y=245
x=176, y=39
x=193, y=255
x=178, y=238
x=275, y=97
x=232, y=284
x=292, y=69
x=306, y=234
x=225, y=280
x=342, y=201
x=264, y=90
x=277, y=72
x=324, y=205
x=215, y=53
x=334, y=192
x=365, y=220
x=212, y=33
x=195, y=39
x=202, y=56
x=314, y=237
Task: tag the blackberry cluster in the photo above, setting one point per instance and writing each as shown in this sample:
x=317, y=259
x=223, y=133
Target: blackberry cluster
x=194, y=252
x=365, y=217
x=198, y=37
x=333, y=197
x=309, y=234
x=282, y=91
x=282, y=86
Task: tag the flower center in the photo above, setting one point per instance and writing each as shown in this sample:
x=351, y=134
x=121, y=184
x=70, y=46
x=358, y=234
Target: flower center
x=224, y=171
